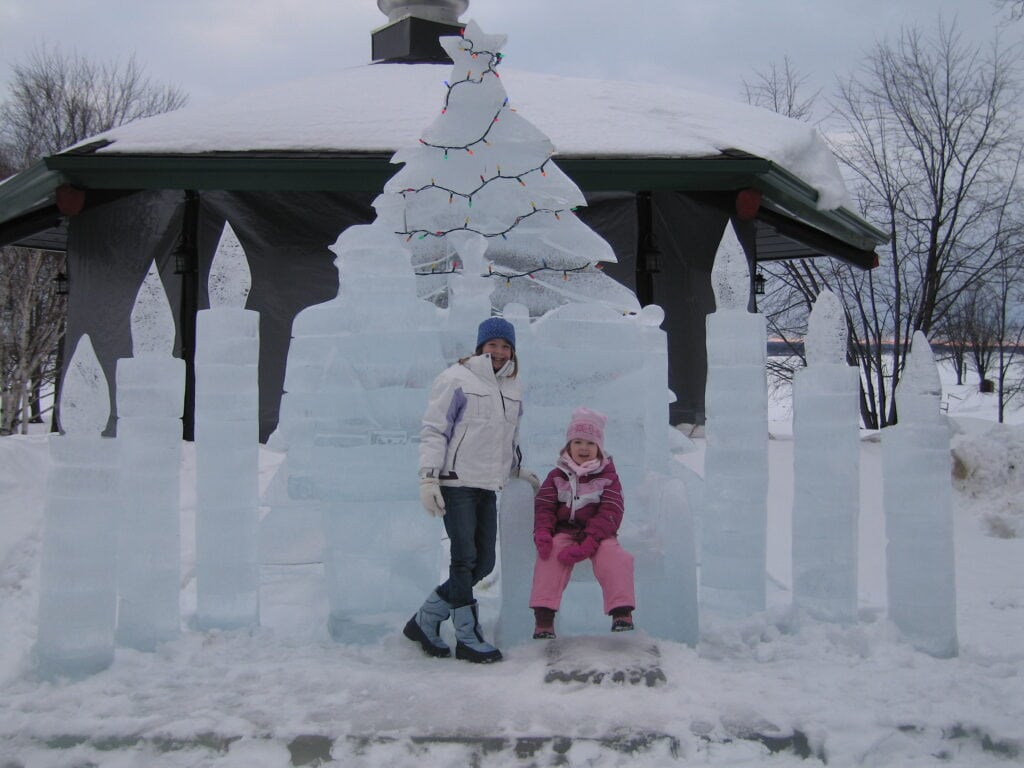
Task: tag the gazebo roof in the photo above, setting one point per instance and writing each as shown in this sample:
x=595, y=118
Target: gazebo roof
x=338, y=132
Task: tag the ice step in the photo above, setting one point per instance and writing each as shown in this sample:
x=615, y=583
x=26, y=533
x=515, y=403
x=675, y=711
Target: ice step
x=623, y=658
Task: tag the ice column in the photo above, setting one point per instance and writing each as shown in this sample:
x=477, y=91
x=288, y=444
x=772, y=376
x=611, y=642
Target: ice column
x=657, y=395
x=78, y=577
x=469, y=293
x=826, y=456
x=359, y=373
x=734, y=526
x=150, y=394
x=469, y=290
x=227, y=446
x=916, y=492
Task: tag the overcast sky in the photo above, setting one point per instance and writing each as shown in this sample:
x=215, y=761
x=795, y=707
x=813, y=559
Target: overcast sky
x=214, y=48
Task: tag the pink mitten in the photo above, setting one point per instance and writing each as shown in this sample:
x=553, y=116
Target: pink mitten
x=542, y=540
x=577, y=553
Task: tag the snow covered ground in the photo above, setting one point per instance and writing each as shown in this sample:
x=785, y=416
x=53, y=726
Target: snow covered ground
x=776, y=689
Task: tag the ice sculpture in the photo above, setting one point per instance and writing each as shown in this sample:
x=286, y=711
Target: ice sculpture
x=150, y=394
x=562, y=372
x=78, y=575
x=227, y=446
x=735, y=512
x=481, y=167
x=359, y=370
x=826, y=460
x=917, y=495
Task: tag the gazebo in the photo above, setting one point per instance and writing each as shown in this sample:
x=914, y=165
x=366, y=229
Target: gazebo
x=664, y=172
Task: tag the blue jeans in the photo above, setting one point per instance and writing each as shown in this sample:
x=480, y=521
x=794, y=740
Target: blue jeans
x=471, y=520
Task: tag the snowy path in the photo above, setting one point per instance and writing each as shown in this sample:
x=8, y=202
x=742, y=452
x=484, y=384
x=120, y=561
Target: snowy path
x=857, y=695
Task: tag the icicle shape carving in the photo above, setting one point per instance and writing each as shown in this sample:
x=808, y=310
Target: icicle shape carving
x=825, y=343
x=920, y=554
x=921, y=376
x=730, y=276
x=230, y=279
x=152, y=321
x=85, y=396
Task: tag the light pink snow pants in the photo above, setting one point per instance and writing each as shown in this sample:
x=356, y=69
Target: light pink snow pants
x=613, y=569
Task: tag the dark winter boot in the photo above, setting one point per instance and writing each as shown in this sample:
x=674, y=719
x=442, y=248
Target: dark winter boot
x=622, y=619
x=425, y=627
x=471, y=645
x=544, y=624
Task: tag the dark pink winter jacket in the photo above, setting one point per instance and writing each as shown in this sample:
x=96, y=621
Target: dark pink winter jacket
x=588, y=506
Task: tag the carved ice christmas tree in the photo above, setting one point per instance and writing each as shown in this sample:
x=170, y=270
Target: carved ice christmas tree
x=482, y=168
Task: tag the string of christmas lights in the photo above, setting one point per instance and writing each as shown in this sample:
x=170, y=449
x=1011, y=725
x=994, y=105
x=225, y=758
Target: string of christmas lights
x=491, y=272
x=467, y=147
x=424, y=233
x=495, y=60
x=453, y=193
x=508, y=276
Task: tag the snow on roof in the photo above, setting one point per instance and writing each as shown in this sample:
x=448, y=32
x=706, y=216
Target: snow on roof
x=380, y=108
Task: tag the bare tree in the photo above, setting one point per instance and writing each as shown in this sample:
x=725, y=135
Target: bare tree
x=953, y=334
x=985, y=325
x=54, y=100
x=929, y=133
x=783, y=90
x=1016, y=8
x=57, y=99
x=31, y=325
x=1004, y=300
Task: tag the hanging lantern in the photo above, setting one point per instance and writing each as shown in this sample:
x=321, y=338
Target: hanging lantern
x=181, y=260
x=62, y=284
x=759, y=282
x=650, y=253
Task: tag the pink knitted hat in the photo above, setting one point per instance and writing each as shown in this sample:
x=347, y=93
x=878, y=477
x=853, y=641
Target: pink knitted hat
x=587, y=425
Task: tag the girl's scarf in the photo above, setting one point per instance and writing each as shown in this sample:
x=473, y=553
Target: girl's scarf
x=586, y=468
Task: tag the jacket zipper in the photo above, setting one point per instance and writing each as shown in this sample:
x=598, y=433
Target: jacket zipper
x=455, y=456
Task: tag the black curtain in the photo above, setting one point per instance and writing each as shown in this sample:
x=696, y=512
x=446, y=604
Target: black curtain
x=287, y=238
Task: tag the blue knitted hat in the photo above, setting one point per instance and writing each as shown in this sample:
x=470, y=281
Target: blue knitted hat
x=496, y=328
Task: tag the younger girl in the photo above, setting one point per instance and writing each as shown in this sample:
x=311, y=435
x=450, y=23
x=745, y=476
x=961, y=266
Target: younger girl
x=577, y=513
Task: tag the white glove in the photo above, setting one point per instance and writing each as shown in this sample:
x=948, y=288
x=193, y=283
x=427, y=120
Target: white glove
x=528, y=476
x=430, y=496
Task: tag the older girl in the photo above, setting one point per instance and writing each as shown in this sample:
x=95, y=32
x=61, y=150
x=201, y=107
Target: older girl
x=468, y=448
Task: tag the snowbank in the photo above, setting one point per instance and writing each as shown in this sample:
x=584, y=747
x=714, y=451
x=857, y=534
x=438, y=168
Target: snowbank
x=776, y=687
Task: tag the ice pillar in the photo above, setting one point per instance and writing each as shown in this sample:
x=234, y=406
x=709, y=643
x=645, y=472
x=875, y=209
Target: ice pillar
x=657, y=395
x=734, y=527
x=359, y=374
x=78, y=577
x=150, y=394
x=227, y=446
x=826, y=456
x=917, y=495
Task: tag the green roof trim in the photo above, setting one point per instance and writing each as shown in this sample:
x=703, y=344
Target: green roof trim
x=31, y=190
x=35, y=189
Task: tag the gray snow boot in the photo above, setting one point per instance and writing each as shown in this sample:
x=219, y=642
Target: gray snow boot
x=470, y=643
x=425, y=627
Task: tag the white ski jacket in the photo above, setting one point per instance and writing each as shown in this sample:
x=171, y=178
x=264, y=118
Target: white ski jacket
x=470, y=431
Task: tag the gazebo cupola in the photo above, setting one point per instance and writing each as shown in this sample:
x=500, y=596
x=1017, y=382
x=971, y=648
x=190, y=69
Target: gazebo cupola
x=410, y=36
